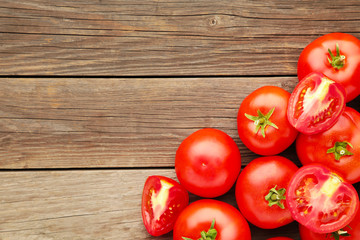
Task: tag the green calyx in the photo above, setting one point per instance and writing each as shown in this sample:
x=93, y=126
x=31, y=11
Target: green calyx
x=261, y=121
x=340, y=150
x=274, y=197
x=209, y=235
x=337, y=61
x=340, y=233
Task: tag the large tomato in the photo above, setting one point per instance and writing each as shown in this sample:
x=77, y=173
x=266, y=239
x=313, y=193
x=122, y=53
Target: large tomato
x=208, y=162
x=262, y=123
x=337, y=55
x=319, y=199
x=315, y=104
x=260, y=191
x=338, y=147
x=350, y=232
x=212, y=218
x=162, y=201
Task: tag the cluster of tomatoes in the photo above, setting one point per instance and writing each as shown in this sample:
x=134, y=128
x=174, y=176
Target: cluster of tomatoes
x=271, y=191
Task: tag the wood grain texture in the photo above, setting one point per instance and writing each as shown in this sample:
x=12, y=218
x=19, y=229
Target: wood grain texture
x=85, y=205
x=94, y=122
x=153, y=38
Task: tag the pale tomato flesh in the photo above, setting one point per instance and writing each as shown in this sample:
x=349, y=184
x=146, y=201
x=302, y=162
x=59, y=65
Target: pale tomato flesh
x=162, y=201
x=320, y=200
x=315, y=104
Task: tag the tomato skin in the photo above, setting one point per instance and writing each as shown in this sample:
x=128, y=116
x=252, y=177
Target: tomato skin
x=208, y=162
x=315, y=104
x=162, y=201
x=320, y=199
x=313, y=148
x=275, y=140
x=280, y=238
x=314, y=58
x=353, y=229
x=255, y=182
x=197, y=217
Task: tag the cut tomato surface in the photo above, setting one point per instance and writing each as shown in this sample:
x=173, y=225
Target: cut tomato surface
x=320, y=200
x=162, y=201
x=316, y=104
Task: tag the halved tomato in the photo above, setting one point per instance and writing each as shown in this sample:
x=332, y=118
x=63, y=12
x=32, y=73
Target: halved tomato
x=320, y=200
x=316, y=103
x=162, y=201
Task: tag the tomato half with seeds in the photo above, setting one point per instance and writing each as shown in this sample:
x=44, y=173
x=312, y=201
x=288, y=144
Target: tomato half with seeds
x=262, y=123
x=208, y=162
x=337, y=55
x=260, y=191
x=338, y=147
x=162, y=201
x=349, y=232
x=316, y=104
x=321, y=200
x=211, y=219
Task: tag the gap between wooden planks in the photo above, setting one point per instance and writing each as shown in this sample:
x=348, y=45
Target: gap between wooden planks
x=115, y=122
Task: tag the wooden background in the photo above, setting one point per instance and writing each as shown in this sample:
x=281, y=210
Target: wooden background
x=97, y=95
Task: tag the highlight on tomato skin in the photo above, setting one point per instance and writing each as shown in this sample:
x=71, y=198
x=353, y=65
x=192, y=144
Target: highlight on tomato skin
x=320, y=199
x=163, y=199
x=316, y=104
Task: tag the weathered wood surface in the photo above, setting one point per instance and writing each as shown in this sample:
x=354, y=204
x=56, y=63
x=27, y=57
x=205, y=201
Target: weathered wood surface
x=89, y=204
x=82, y=144
x=168, y=38
x=122, y=122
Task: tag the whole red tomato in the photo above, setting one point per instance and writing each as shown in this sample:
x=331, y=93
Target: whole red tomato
x=216, y=219
x=260, y=191
x=350, y=232
x=319, y=199
x=338, y=147
x=262, y=123
x=162, y=201
x=337, y=56
x=316, y=104
x=208, y=162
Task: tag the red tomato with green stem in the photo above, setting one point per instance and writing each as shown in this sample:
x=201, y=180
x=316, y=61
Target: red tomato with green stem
x=315, y=104
x=349, y=232
x=320, y=199
x=337, y=55
x=260, y=191
x=262, y=123
x=338, y=147
x=162, y=201
x=209, y=219
x=208, y=162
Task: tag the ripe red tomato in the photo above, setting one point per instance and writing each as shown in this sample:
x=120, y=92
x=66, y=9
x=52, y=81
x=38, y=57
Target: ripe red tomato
x=320, y=200
x=315, y=104
x=199, y=216
x=350, y=232
x=162, y=201
x=262, y=123
x=280, y=238
x=260, y=191
x=344, y=64
x=338, y=147
x=208, y=162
